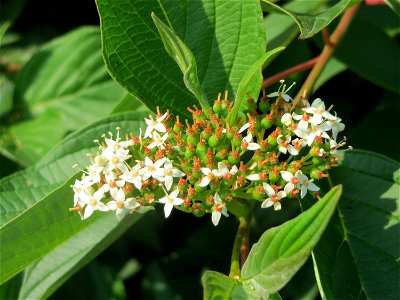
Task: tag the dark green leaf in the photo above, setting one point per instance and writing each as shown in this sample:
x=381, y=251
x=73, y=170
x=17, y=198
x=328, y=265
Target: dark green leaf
x=358, y=257
x=310, y=25
x=185, y=60
x=225, y=38
x=360, y=43
x=282, y=250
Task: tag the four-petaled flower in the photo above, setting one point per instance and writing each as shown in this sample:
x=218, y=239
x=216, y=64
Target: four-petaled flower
x=274, y=197
x=247, y=141
x=155, y=125
x=218, y=209
x=170, y=173
x=120, y=204
x=93, y=202
x=169, y=201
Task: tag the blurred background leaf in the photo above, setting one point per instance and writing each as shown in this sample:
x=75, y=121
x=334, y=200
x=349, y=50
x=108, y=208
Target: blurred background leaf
x=67, y=77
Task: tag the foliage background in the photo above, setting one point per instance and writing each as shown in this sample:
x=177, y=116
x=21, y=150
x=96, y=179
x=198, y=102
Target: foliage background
x=160, y=258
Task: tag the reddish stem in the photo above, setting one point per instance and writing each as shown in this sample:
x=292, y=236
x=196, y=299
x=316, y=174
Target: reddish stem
x=299, y=68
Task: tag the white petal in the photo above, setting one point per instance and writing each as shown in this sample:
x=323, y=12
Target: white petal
x=312, y=187
x=277, y=206
x=112, y=205
x=88, y=212
x=121, y=213
x=178, y=201
x=244, y=127
x=167, y=209
x=102, y=207
x=287, y=176
x=177, y=173
x=223, y=169
x=131, y=203
x=303, y=192
x=168, y=182
x=160, y=127
x=268, y=189
x=205, y=181
x=205, y=171
x=215, y=217
x=267, y=203
x=253, y=146
x=253, y=177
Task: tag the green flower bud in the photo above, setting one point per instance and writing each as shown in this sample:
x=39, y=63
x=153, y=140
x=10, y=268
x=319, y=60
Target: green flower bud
x=213, y=141
x=317, y=160
x=264, y=105
x=198, y=209
x=266, y=123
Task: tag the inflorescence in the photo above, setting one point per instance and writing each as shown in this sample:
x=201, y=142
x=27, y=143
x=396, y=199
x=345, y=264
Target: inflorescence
x=273, y=151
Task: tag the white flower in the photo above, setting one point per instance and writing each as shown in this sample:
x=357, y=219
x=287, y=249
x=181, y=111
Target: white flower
x=285, y=146
x=274, y=197
x=282, y=92
x=116, y=159
x=292, y=180
x=169, y=201
x=158, y=140
x=317, y=109
x=133, y=176
x=218, y=209
x=155, y=125
x=119, y=204
x=115, y=145
x=223, y=170
x=93, y=202
x=286, y=119
x=170, y=173
x=112, y=182
x=153, y=169
x=317, y=130
x=251, y=145
x=336, y=127
x=79, y=188
x=306, y=184
x=285, y=97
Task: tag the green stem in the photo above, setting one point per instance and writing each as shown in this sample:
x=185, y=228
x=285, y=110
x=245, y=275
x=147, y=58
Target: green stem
x=330, y=44
x=241, y=248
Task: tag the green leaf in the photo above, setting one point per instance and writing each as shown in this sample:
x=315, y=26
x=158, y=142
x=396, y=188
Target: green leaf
x=225, y=37
x=280, y=28
x=185, y=60
x=359, y=44
x=219, y=286
x=310, y=25
x=67, y=77
x=282, y=250
x=394, y=5
x=358, y=257
x=9, y=13
x=250, y=84
x=34, y=209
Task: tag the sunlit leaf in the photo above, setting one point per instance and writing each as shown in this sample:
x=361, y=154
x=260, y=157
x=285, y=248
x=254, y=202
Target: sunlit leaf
x=226, y=38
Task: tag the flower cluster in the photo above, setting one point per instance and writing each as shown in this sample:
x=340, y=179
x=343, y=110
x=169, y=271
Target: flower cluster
x=272, y=151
